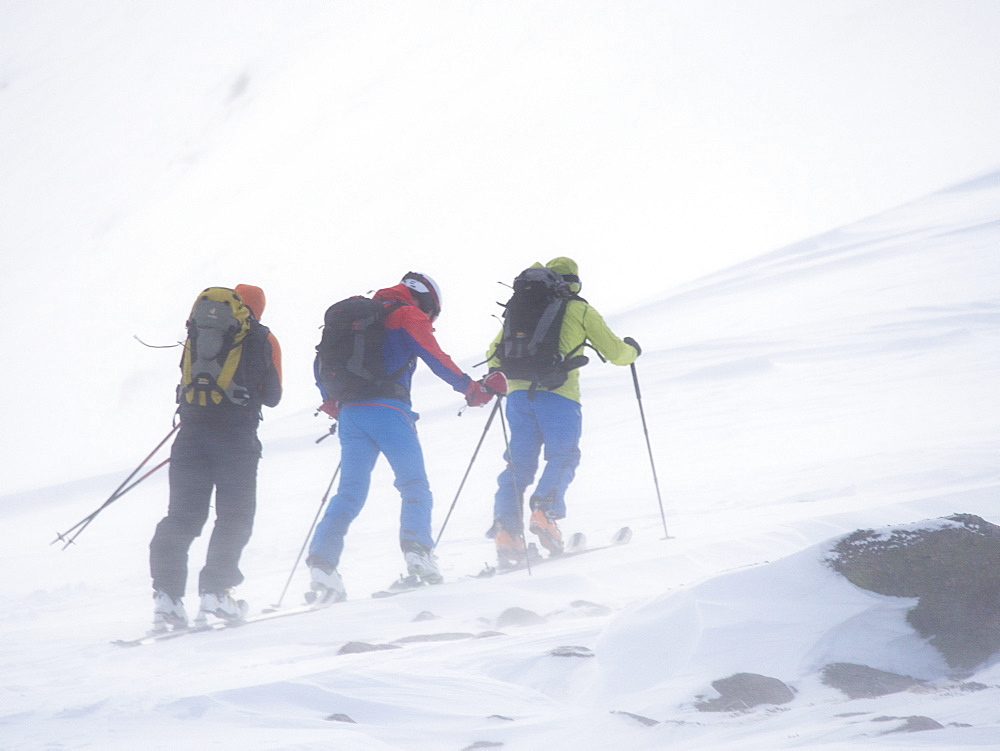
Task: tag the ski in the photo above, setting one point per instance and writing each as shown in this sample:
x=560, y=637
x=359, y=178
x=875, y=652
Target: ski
x=401, y=585
x=199, y=628
x=577, y=545
x=155, y=636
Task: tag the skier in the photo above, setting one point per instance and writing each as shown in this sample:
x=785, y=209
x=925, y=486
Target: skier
x=550, y=417
x=216, y=447
x=387, y=424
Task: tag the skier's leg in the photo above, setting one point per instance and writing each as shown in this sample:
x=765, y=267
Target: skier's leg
x=522, y=462
x=397, y=438
x=561, y=422
x=190, y=475
x=358, y=454
x=235, y=507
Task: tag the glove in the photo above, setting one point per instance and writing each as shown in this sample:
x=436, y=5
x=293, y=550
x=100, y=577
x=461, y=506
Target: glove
x=477, y=394
x=330, y=407
x=633, y=343
x=496, y=382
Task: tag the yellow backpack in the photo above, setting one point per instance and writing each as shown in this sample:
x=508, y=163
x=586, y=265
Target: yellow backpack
x=217, y=327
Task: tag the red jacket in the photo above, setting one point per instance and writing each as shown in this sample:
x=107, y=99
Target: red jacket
x=409, y=335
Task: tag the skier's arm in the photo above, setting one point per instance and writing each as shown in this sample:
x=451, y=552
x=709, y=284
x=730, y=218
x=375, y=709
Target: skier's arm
x=604, y=340
x=493, y=353
x=425, y=346
x=271, y=387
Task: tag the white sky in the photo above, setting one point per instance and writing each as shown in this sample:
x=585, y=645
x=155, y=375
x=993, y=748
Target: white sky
x=713, y=130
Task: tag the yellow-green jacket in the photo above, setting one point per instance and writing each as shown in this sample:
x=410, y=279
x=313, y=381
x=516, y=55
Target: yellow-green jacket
x=581, y=323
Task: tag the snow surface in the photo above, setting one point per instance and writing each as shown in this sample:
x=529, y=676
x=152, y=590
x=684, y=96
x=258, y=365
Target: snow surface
x=843, y=382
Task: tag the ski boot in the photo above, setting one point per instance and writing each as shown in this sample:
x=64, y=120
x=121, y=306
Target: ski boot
x=545, y=527
x=511, y=552
x=421, y=562
x=223, y=606
x=168, y=613
x=327, y=587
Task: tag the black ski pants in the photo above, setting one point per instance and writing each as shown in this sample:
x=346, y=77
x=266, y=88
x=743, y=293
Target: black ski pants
x=203, y=459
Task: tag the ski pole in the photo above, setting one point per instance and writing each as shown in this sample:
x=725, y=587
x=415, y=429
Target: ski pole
x=161, y=465
x=315, y=520
x=649, y=448
x=461, y=485
x=118, y=493
x=518, y=493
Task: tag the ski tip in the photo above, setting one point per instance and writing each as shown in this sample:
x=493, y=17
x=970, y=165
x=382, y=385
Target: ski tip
x=622, y=536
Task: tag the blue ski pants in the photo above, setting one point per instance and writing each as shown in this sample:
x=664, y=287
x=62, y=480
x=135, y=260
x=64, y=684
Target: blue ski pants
x=549, y=420
x=366, y=430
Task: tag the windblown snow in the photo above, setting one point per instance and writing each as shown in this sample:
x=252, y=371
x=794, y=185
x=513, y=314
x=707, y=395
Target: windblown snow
x=845, y=381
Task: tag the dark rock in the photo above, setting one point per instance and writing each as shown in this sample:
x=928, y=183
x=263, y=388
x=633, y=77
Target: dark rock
x=914, y=725
x=951, y=565
x=572, y=652
x=519, y=617
x=356, y=647
x=972, y=686
x=745, y=690
x=863, y=682
x=483, y=744
x=425, y=615
x=340, y=718
x=647, y=721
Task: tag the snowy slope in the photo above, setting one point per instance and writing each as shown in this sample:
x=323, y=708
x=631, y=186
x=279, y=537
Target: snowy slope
x=149, y=150
x=843, y=382
x=320, y=149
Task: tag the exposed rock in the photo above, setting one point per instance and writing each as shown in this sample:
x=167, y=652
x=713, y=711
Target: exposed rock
x=745, y=690
x=340, y=718
x=950, y=564
x=863, y=682
x=972, y=686
x=647, y=721
x=356, y=647
x=489, y=634
x=572, y=652
x=912, y=724
x=519, y=617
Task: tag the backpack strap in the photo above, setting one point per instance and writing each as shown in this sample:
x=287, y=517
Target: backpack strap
x=395, y=389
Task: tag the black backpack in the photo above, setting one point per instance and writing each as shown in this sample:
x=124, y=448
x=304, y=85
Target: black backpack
x=349, y=364
x=532, y=320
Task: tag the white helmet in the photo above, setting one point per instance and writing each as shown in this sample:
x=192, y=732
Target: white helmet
x=425, y=291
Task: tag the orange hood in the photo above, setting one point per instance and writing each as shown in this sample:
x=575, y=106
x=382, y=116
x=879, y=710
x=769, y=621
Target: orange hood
x=253, y=298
